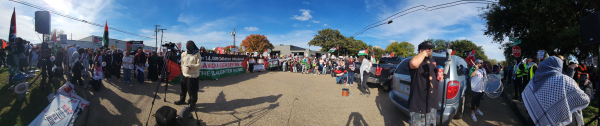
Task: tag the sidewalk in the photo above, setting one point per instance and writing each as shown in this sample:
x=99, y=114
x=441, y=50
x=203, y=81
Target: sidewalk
x=517, y=106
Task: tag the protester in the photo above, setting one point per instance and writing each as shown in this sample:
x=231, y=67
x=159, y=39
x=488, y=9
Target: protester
x=34, y=57
x=153, y=67
x=77, y=68
x=350, y=67
x=423, y=102
x=140, y=62
x=107, y=65
x=127, y=65
x=190, y=64
x=477, y=73
x=552, y=98
x=364, y=75
x=520, y=74
x=117, y=61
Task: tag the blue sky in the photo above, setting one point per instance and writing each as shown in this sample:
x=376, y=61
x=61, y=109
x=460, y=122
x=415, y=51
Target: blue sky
x=209, y=22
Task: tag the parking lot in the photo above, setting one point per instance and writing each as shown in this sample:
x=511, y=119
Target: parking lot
x=269, y=98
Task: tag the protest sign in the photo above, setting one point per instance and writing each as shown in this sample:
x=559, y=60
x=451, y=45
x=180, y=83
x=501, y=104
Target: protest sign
x=215, y=66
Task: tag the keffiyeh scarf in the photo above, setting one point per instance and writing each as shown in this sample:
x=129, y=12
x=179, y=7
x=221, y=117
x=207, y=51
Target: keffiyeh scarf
x=557, y=101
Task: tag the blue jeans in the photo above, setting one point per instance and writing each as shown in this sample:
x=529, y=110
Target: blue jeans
x=324, y=70
x=350, y=77
x=338, y=79
x=126, y=74
x=140, y=76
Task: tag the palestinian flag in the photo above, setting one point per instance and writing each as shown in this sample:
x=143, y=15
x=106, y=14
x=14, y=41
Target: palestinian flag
x=105, y=37
x=372, y=56
x=12, y=33
x=363, y=52
x=333, y=49
x=175, y=72
x=392, y=54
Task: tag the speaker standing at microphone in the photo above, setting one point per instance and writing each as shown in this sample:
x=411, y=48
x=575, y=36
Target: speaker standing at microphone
x=190, y=67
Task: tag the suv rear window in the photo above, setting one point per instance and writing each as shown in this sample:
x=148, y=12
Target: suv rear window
x=393, y=60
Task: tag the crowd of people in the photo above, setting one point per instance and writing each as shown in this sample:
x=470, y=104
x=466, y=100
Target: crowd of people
x=343, y=68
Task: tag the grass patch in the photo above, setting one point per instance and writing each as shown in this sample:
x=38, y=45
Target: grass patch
x=591, y=111
x=18, y=113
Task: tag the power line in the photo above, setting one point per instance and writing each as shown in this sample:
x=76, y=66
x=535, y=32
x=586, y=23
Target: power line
x=420, y=7
x=364, y=11
x=353, y=13
x=73, y=18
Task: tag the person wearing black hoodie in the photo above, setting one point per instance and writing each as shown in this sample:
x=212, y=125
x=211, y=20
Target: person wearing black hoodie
x=107, y=58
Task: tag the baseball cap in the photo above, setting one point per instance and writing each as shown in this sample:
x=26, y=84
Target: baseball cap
x=425, y=45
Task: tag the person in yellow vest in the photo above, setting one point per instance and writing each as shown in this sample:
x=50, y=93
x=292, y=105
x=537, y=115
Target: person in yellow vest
x=523, y=75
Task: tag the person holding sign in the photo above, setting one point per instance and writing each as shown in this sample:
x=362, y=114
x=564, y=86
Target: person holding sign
x=190, y=68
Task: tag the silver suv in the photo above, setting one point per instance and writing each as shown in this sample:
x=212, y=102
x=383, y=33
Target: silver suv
x=452, y=87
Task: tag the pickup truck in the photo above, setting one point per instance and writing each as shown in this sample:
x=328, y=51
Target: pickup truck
x=382, y=73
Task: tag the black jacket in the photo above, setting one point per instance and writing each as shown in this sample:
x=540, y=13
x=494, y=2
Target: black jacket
x=117, y=59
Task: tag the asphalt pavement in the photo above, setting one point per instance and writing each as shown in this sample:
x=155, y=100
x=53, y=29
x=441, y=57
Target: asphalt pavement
x=267, y=99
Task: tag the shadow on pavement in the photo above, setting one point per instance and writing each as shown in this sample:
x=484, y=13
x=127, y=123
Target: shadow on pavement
x=492, y=109
x=115, y=109
x=221, y=104
x=358, y=119
x=387, y=109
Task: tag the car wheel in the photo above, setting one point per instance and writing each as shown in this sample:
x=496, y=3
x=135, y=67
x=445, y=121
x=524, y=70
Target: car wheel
x=387, y=85
x=461, y=109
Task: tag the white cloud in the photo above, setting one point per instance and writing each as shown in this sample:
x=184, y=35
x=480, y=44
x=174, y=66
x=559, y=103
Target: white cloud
x=313, y=21
x=305, y=2
x=146, y=31
x=251, y=28
x=392, y=41
x=324, y=24
x=305, y=15
x=447, y=23
x=308, y=25
x=294, y=25
x=188, y=19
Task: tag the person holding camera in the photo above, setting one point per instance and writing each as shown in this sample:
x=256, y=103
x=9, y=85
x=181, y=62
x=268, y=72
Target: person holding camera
x=190, y=67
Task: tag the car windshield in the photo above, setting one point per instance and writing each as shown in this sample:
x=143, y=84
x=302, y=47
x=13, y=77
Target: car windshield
x=393, y=60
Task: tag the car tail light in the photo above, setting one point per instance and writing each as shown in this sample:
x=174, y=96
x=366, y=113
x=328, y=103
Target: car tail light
x=378, y=71
x=452, y=91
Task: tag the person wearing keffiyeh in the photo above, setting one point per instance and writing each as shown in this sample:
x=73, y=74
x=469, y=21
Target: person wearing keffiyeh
x=553, y=98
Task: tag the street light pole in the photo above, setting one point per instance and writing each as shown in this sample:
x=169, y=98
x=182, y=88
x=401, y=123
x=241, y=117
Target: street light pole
x=161, y=37
x=156, y=34
x=233, y=34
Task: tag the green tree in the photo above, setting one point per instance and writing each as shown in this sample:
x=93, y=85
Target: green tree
x=329, y=38
x=465, y=46
x=354, y=46
x=439, y=44
x=552, y=26
x=376, y=51
x=401, y=49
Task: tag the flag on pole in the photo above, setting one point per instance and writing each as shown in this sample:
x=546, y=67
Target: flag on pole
x=55, y=37
x=392, y=54
x=471, y=58
x=12, y=33
x=105, y=37
x=333, y=49
x=3, y=43
x=372, y=56
x=363, y=52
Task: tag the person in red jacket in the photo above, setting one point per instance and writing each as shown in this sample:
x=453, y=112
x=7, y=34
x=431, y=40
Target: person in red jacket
x=339, y=79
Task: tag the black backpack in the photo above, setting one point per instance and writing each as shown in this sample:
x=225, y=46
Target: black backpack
x=165, y=116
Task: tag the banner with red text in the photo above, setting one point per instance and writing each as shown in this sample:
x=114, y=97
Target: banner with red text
x=221, y=65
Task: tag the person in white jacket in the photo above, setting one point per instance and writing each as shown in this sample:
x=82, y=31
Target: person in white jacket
x=364, y=74
x=127, y=66
x=190, y=68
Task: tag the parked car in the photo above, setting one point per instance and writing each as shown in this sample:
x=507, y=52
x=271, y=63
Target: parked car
x=452, y=87
x=381, y=73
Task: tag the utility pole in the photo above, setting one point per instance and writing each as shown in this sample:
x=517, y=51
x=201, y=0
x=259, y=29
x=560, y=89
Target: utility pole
x=161, y=36
x=233, y=34
x=156, y=35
